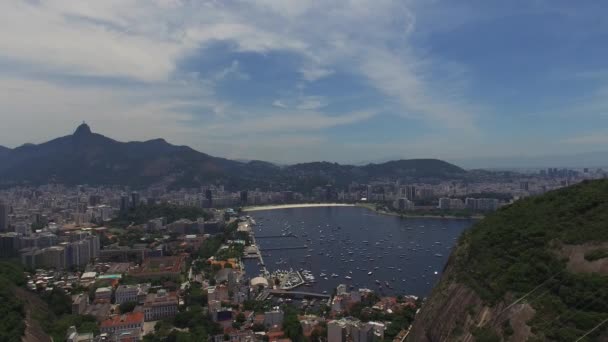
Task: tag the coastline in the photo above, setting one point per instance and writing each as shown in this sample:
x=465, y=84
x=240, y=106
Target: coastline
x=390, y=213
x=291, y=206
x=360, y=205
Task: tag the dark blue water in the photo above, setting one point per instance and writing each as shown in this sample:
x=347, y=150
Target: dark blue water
x=405, y=255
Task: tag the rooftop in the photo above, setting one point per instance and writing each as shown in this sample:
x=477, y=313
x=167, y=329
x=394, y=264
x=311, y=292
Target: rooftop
x=130, y=318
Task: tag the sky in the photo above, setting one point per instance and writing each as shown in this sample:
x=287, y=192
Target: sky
x=294, y=81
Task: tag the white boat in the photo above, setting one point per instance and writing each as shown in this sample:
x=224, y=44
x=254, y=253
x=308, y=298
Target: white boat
x=348, y=278
x=370, y=273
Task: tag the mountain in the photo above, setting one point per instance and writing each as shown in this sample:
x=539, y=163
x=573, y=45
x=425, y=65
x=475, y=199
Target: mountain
x=589, y=159
x=4, y=151
x=86, y=157
x=536, y=270
x=89, y=158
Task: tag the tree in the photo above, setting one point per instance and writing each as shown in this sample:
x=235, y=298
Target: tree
x=59, y=302
x=240, y=318
x=257, y=327
x=12, y=325
x=292, y=326
x=127, y=307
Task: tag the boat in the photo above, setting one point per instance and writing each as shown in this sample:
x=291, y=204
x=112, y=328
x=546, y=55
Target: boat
x=348, y=278
x=370, y=273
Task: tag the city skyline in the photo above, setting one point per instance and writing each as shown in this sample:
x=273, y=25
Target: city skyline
x=336, y=81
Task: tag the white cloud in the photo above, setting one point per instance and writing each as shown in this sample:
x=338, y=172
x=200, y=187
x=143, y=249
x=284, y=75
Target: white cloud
x=314, y=73
x=311, y=102
x=279, y=103
x=145, y=41
x=232, y=71
x=125, y=114
x=281, y=122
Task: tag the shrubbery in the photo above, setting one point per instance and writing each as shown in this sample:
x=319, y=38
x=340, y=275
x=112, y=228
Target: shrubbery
x=516, y=249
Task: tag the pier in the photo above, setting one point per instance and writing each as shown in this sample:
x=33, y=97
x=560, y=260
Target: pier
x=283, y=248
x=259, y=254
x=299, y=294
x=276, y=236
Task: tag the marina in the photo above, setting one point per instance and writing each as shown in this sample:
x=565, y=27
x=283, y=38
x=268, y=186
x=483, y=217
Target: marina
x=317, y=249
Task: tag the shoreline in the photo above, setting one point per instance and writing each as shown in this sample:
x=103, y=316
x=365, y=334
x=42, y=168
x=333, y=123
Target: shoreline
x=360, y=205
x=390, y=213
x=293, y=206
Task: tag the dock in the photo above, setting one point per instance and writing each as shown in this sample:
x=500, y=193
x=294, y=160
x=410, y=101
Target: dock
x=276, y=236
x=259, y=254
x=299, y=294
x=284, y=248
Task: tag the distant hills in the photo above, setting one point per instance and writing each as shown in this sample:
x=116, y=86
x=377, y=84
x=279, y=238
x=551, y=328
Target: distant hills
x=89, y=158
x=536, y=270
x=597, y=159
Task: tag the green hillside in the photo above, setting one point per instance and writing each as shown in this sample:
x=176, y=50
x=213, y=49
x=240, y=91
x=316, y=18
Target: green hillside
x=521, y=249
x=515, y=250
x=12, y=325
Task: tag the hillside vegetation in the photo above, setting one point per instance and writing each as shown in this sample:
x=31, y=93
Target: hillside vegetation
x=518, y=253
x=12, y=325
x=171, y=213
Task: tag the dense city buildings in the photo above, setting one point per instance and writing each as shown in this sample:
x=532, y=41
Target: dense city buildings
x=353, y=330
x=185, y=253
x=3, y=216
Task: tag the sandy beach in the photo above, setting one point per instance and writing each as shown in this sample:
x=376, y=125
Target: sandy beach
x=303, y=205
x=361, y=205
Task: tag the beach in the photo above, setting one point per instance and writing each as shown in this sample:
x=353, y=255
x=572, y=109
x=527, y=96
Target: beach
x=301, y=205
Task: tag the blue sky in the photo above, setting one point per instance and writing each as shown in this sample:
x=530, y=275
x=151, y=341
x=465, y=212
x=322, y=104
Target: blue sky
x=292, y=81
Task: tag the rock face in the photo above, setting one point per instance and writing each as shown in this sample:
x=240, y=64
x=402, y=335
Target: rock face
x=522, y=274
x=454, y=312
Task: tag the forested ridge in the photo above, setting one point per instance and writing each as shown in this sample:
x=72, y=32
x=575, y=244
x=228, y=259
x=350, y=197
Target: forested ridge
x=522, y=254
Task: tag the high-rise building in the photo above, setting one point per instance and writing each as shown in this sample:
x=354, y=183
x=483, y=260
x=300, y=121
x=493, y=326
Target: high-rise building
x=410, y=192
x=124, y=203
x=336, y=332
x=244, y=197
x=4, y=208
x=209, y=198
x=94, y=200
x=81, y=252
x=450, y=204
x=135, y=199
x=54, y=257
x=9, y=244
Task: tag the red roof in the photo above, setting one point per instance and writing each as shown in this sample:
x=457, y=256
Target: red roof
x=274, y=335
x=118, y=320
